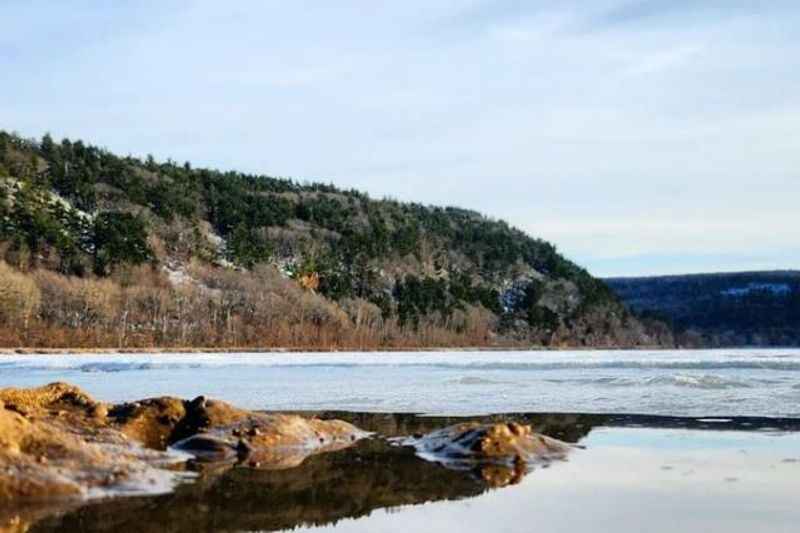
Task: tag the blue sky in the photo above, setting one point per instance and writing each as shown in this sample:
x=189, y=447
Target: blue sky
x=641, y=137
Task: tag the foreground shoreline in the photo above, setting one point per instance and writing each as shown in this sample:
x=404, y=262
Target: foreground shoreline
x=745, y=466
x=58, y=445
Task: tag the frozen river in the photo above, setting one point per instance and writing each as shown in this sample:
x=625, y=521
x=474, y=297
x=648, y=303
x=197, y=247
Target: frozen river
x=677, y=383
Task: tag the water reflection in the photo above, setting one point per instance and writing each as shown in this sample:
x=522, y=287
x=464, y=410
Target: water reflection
x=347, y=484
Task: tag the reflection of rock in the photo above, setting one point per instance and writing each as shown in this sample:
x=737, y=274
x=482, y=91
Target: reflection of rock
x=20, y=518
x=473, y=444
x=56, y=440
x=323, y=489
x=370, y=475
x=498, y=476
x=565, y=427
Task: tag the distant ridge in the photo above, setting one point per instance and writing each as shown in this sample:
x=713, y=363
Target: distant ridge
x=757, y=308
x=743, y=273
x=109, y=251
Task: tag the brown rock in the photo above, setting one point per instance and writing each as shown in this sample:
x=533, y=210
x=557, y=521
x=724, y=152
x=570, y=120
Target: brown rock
x=271, y=441
x=52, y=458
x=503, y=443
x=54, y=397
x=57, y=442
x=150, y=422
x=99, y=411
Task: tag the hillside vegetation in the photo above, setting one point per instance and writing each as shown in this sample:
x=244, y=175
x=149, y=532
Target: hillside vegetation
x=101, y=250
x=738, y=309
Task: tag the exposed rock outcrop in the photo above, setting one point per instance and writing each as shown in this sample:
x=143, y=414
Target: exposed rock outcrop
x=57, y=442
x=270, y=441
x=59, y=447
x=267, y=495
x=471, y=444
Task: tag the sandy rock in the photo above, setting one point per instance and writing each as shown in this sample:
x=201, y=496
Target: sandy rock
x=150, y=422
x=53, y=397
x=216, y=431
x=270, y=441
x=159, y=422
x=473, y=443
x=45, y=455
x=56, y=442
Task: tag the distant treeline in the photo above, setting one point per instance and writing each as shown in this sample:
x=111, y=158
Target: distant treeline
x=737, y=309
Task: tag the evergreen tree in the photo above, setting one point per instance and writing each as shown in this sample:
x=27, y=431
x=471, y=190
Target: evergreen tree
x=119, y=238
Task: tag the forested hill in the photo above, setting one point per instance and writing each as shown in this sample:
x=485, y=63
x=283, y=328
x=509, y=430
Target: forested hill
x=738, y=309
x=99, y=249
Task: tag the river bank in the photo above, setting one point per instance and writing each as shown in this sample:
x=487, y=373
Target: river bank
x=268, y=350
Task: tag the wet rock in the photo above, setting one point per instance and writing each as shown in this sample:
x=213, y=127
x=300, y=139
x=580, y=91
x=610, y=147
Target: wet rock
x=53, y=397
x=57, y=442
x=150, y=422
x=215, y=431
x=58, y=449
x=472, y=443
x=160, y=422
x=99, y=411
x=270, y=441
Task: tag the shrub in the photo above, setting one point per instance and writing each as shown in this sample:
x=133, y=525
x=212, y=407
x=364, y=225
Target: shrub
x=362, y=313
x=77, y=302
x=19, y=296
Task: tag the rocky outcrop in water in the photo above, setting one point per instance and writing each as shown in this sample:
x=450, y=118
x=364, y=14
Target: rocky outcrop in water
x=60, y=447
x=272, y=441
x=473, y=444
x=57, y=442
x=371, y=475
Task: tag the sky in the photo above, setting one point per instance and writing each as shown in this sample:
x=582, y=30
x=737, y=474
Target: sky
x=639, y=136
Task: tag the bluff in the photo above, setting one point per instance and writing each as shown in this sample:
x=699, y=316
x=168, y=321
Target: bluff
x=716, y=310
x=102, y=250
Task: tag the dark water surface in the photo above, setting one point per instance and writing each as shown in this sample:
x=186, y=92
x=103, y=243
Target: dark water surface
x=636, y=473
